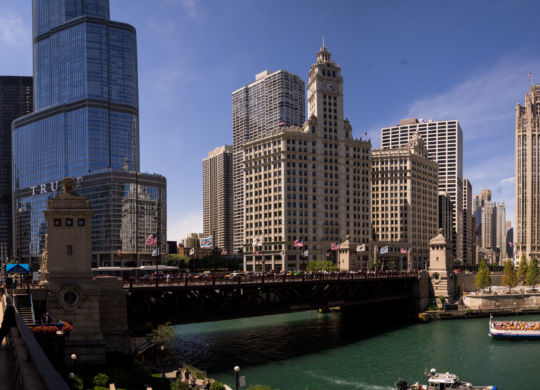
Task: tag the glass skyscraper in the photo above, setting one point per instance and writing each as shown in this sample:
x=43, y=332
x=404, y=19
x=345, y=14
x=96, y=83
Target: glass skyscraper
x=15, y=101
x=86, y=106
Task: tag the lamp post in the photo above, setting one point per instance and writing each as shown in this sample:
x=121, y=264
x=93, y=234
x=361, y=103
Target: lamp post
x=236, y=371
x=20, y=210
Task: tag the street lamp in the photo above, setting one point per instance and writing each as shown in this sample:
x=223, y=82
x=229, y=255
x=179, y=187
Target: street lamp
x=236, y=371
x=20, y=210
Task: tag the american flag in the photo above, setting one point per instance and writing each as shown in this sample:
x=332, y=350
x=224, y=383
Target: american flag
x=224, y=252
x=335, y=246
x=119, y=252
x=403, y=251
x=299, y=243
x=529, y=75
x=152, y=239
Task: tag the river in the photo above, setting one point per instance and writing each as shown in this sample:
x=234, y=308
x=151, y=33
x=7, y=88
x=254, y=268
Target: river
x=338, y=351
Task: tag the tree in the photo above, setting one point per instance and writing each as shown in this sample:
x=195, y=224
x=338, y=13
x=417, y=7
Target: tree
x=532, y=273
x=175, y=260
x=321, y=265
x=522, y=269
x=509, y=277
x=483, y=277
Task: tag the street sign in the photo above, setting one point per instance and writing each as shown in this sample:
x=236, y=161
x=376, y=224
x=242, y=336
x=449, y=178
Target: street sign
x=242, y=381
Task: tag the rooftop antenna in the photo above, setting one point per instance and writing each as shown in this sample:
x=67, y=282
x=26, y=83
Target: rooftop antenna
x=323, y=41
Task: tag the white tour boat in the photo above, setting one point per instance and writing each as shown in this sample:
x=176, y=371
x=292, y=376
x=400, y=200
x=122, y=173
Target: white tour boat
x=442, y=381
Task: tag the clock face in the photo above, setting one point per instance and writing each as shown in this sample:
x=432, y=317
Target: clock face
x=331, y=86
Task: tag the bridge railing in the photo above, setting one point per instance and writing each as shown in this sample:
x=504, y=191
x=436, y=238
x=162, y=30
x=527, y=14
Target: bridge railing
x=190, y=280
x=23, y=351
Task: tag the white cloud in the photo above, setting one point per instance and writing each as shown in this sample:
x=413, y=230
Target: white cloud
x=508, y=180
x=178, y=226
x=13, y=32
x=190, y=8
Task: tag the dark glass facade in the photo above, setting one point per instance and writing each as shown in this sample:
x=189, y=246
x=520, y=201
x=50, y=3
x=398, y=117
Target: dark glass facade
x=15, y=101
x=86, y=114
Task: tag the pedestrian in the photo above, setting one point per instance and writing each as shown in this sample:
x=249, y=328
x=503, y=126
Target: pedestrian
x=192, y=383
x=9, y=318
x=186, y=376
x=207, y=384
x=46, y=319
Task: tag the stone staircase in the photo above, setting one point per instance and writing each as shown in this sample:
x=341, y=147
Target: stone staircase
x=23, y=303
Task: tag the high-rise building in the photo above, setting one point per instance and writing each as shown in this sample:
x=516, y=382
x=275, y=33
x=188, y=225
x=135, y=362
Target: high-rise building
x=527, y=163
x=501, y=230
x=272, y=101
x=217, y=197
x=86, y=114
x=444, y=141
x=446, y=216
x=489, y=226
x=307, y=188
x=15, y=101
x=404, y=193
x=468, y=224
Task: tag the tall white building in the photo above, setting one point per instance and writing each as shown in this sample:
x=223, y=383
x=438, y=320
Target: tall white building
x=444, y=142
x=272, y=101
x=217, y=197
x=309, y=184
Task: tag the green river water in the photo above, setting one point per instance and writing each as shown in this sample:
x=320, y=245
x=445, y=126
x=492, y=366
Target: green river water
x=338, y=351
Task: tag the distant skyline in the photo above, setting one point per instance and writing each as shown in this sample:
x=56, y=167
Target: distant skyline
x=462, y=60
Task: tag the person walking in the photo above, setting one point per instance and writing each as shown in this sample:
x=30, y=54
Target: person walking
x=9, y=319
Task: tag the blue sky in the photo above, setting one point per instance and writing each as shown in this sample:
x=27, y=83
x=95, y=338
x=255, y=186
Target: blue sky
x=464, y=60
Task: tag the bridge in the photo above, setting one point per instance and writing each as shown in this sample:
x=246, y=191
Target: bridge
x=187, y=301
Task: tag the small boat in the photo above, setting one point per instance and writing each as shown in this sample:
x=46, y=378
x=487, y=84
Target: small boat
x=514, y=329
x=441, y=381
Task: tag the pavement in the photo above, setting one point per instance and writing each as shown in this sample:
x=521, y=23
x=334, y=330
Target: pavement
x=198, y=382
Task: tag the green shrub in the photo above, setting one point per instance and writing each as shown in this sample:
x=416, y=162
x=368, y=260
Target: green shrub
x=101, y=379
x=77, y=383
x=217, y=386
x=179, y=385
x=195, y=371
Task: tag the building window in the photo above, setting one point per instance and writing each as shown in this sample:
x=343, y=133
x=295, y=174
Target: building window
x=69, y=221
x=57, y=222
x=70, y=250
x=80, y=222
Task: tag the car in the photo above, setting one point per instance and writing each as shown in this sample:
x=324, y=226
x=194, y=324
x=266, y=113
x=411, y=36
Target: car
x=237, y=275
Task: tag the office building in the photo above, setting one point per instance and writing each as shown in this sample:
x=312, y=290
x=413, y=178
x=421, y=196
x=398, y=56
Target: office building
x=489, y=226
x=85, y=121
x=273, y=101
x=404, y=190
x=192, y=240
x=527, y=165
x=501, y=231
x=468, y=224
x=217, y=197
x=444, y=141
x=307, y=188
x=446, y=216
x=15, y=101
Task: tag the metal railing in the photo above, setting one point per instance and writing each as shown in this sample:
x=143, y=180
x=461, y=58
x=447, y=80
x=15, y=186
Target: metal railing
x=189, y=280
x=47, y=373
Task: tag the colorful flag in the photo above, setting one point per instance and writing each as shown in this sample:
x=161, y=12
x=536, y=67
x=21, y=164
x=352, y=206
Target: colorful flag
x=257, y=241
x=119, y=252
x=207, y=242
x=299, y=243
x=255, y=252
x=192, y=251
x=529, y=75
x=155, y=252
x=151, y=239
x=224, y=252
x=511, y=244
x=306, y=253
x=327, y=254
x=335, y=246
x=282, y=123
x=361, y=248
x=403, y=251
x=383, y=250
